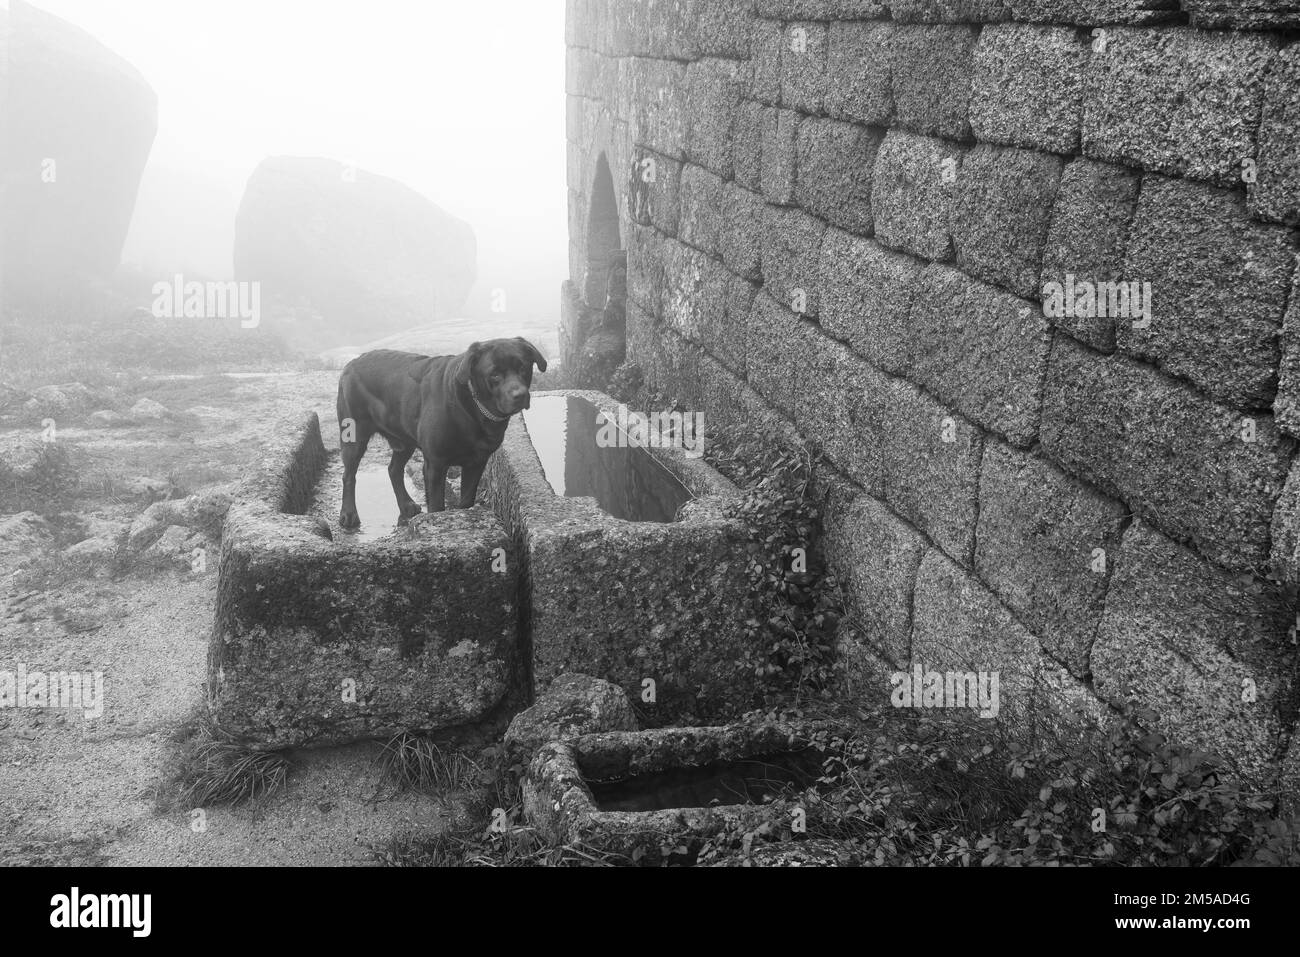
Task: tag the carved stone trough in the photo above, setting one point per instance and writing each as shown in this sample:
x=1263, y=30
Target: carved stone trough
x=633, y=570
x=621, y=790
x=321, y=638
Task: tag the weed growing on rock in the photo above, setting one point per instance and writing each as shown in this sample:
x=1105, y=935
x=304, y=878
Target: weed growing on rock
x=625, y=383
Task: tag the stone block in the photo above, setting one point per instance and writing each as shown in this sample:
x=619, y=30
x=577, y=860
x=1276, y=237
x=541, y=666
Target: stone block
x=1286, y=529
x=1200, y=471
x=670, y=29
x=658, y=119
x=1219, y=284
x=645, y=269
x=929, y=462
x=803, y=66
x=1286, y=407
x=702, y=209
x=1176, y=101
x=1275, y=194
x=731, y=348
x=932, y=68
x=1202, y=649
x=1086, y=243
x=859, y=71
x=724, y=28
x=822, y=9
x=778, y=155
x=1045, y=544
x=1028, y=87
x=654, y=191
x=747, y=145
x=834, y=166
x=694, y=293
x=829, y=409
x=299, y=616
x=767, y=45
x=877, y=555
x=980, y=350
x=948, y=11
x=959, y=625
x=1004, y=203
x=914, y=193
x=1089, y=12
x=866, y=297
x=741, y=235
x=791, y=247
x=776, y=336
x=713, y=92
x=1243, y=14
x=574, y=705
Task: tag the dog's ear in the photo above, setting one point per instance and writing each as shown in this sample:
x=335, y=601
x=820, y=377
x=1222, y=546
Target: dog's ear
x=420, y=368
x=465, y=364
x=534, y=354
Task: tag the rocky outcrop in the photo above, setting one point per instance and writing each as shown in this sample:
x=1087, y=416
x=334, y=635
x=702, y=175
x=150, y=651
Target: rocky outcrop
x=370, y=254
x=80, y=125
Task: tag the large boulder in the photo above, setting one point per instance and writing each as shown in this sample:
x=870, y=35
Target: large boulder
x=369, y=254
x=80, y=125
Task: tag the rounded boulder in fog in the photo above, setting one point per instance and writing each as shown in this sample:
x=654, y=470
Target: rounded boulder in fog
x=369, y=253
x=81, y=123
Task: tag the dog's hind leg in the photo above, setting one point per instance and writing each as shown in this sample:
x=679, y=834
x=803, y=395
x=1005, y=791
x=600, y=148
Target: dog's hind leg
x=406, y=506
x=353, y=448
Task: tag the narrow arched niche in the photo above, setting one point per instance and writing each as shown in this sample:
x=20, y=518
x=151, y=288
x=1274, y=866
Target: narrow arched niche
x=604, y=244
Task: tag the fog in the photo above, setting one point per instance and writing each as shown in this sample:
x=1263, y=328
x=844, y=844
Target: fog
x=464, y=103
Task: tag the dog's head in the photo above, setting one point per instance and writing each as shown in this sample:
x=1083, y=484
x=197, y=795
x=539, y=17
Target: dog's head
x=500, y=371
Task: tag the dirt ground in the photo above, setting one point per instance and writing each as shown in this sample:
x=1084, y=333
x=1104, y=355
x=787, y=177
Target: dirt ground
x=85, y=790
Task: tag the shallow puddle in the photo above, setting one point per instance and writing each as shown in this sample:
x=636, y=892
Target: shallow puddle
x=376, y=504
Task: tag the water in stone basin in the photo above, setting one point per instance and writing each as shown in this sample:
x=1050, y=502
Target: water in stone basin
x=376, y=505
x=745, y=781
x=628, y=483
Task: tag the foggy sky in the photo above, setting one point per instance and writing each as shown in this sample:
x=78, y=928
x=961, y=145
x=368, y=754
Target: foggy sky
x=463, y=102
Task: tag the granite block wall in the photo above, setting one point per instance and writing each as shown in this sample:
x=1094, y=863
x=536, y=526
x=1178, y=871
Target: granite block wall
x=1026, y=272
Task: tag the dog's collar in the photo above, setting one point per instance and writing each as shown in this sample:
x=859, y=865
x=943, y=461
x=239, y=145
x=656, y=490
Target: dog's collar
x=484, y=410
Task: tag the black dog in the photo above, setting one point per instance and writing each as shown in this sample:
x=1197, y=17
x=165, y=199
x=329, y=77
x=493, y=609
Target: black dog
x=454, y=409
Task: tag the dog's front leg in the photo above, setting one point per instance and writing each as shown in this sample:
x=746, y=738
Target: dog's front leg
x=469, y=479
x=435, y=484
